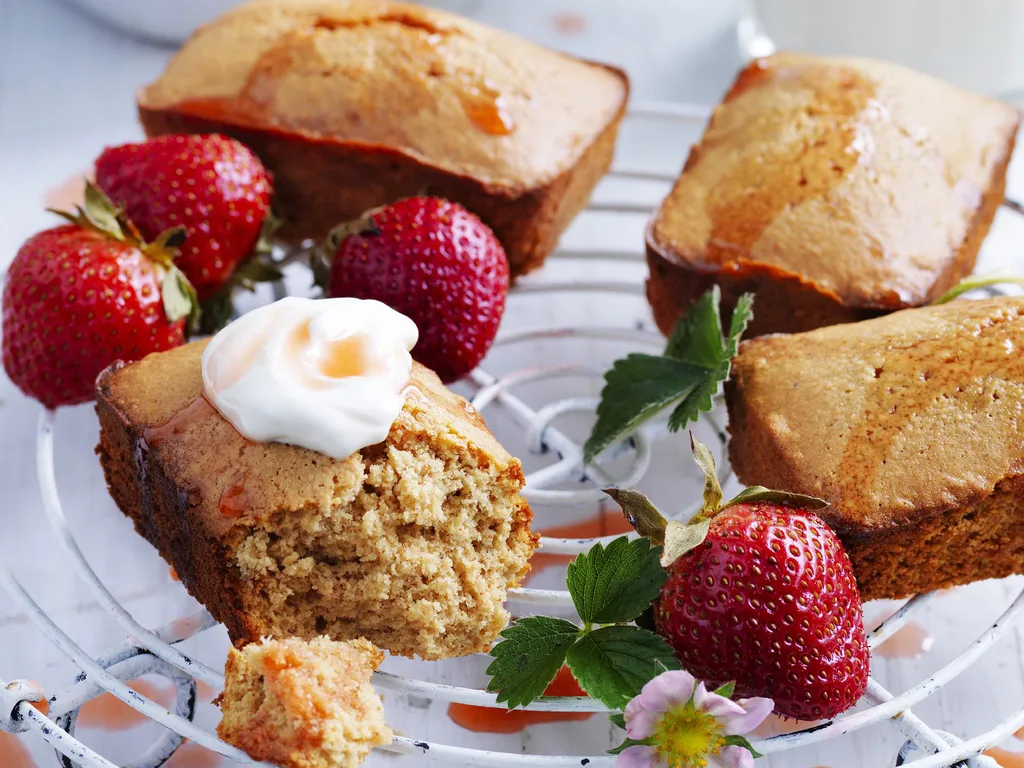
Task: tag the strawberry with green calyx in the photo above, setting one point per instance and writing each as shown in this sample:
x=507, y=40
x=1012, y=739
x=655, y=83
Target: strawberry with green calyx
x=759, y=592
x=213, y=186
x=80, y=296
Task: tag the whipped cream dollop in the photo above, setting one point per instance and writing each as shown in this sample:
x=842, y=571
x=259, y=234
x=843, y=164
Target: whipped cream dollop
x=324, y=374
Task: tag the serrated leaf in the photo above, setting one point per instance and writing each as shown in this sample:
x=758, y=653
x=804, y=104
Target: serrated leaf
x=697, y=359
x=757, y=493
x=630, y=743
x=742, y=314
x=699, y=399
x=680, y=538
x=617, y=719
x=640, y=513
x=740, y=741
x=615, y=583
x=612, y=664
x=637, y=388
x=528, y=657
x=697, y=335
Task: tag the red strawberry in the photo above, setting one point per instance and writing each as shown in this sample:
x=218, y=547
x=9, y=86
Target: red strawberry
x=213, y=186
x=80, y=296
x=767, y=600
x=435, y=262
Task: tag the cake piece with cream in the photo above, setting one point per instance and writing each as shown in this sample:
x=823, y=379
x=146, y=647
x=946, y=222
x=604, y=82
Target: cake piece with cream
x=305, y=477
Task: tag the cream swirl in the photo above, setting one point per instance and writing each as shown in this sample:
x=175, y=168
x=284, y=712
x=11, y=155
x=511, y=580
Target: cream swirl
x=325, y=374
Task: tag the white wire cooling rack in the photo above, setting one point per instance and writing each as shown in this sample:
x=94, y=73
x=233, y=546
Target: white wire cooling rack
x=156, y=652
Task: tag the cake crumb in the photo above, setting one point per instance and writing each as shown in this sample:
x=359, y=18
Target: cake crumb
x=304, y=704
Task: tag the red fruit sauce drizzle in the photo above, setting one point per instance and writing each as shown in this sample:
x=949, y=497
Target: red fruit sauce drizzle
x=495, y=720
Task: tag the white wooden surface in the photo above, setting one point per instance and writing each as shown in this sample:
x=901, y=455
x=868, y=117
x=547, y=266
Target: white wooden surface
x=66, y=87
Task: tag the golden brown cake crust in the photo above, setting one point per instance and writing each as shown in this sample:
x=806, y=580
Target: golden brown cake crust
x=303, y=704
x=855, y=185
x=411, y=543
x=354, y=103
x=909, y=424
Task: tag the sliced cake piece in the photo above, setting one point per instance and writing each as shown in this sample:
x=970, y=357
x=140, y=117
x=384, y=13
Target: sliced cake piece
x=303, y=704
x=411, y=543
x=911, y=425
x=836, y=189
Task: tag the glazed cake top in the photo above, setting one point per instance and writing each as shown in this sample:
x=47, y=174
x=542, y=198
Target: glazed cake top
x=860, y=177
x=448, y=91
x=890, y=419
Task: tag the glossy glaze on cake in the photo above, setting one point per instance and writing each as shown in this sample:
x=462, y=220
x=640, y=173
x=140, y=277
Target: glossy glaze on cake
x=835, y=189
x=356, y=103
x=911, y=425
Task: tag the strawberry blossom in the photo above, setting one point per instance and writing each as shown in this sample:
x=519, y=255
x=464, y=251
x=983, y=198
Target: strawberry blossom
x=675, y=722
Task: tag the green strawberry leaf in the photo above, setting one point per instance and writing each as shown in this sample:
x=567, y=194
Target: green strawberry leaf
x=617, y=719
x=613, y=663
x=630, y=743
x=697, y=337
x=740, y=741
x=529, y=657
x=216, y=311
x=696, y=361
x=636, y=389
x=615, y=583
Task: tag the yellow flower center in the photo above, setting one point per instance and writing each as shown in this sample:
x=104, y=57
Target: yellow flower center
x=685, y=737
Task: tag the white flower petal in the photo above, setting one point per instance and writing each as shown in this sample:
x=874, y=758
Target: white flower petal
x=755, y=712
x=668, y=689
x=730, y=757
x=641, y=722
x=722, y=708
x=638, y=757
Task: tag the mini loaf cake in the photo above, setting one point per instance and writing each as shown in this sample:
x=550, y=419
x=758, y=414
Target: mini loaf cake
x=910, y=425
x=303, y=704
x=411, y=543
x=357, y=103
x=835, y=189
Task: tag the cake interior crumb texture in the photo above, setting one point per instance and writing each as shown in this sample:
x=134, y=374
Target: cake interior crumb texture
x=411, y=543
x=910, y=425
x=303, y=704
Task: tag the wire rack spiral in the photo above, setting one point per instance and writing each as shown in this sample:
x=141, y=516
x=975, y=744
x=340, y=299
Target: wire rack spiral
x=157, y=652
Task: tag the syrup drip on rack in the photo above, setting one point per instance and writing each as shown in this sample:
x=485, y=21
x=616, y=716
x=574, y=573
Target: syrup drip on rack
x=494, y=720
x=190, y=755
x=13, y=754
x=911, y=642
x=1006, y=759
x=108, y=713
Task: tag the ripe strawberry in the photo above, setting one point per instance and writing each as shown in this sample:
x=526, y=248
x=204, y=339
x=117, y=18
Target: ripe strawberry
x=769, y=601
x=760, y=592
x=213, y=186
x=82, y=295
x=435, y=262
